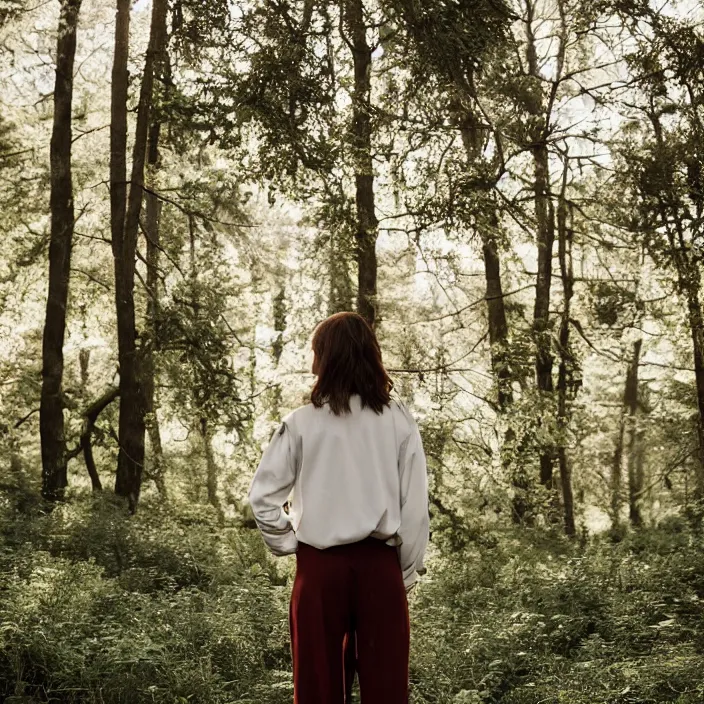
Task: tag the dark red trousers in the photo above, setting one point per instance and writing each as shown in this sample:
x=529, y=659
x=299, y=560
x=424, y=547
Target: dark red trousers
x=344, y=590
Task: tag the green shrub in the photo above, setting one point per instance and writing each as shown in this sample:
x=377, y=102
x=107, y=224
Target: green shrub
x=168, y=606
x=189, y=611
x=520, y=621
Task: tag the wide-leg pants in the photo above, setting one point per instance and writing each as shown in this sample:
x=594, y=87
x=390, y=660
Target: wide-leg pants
x=355, y=588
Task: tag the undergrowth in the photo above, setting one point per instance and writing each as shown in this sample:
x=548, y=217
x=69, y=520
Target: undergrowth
x=168, y=606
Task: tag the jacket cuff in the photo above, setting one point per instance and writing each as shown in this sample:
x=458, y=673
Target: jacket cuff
x=281, y=543
x=410, y=580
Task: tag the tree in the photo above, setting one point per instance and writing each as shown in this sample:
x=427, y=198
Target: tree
x=151, y=229
x=53, y=441
x=566, y=369
x=451, y=43
x=125, y=210
x=663, y=164
x=362, y=158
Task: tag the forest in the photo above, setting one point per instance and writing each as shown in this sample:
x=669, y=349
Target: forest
x=511, y=192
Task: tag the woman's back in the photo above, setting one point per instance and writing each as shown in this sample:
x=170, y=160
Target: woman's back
x=347, y=472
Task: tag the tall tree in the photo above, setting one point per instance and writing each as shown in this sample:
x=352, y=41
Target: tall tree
x=451, y=42
x=635, y=455
x=664, y=169
x=152, y=234
x=51, y=419
x=457, y=45
x=362, y=159
x=124, y=216
x=626, y=424
x=567, y=363
x=540, y=126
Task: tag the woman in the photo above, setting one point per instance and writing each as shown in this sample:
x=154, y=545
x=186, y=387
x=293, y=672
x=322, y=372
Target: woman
x=359, y=529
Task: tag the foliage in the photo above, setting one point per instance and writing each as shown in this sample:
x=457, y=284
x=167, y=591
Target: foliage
x=166, y=606
x=524, y=618
x=98, y=607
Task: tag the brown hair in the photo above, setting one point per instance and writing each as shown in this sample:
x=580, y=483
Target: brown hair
x=349, y=361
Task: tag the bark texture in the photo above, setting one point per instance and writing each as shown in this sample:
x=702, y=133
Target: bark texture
x=152, y=235
x=627, y=422
x=361, y=137
x=545, y=238
x=635, y=454
x=566, y=366
x=51, y=418
x=539, y=115
x=691, y=283
x=125, y=211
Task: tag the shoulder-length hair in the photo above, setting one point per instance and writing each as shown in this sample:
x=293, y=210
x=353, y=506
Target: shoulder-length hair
x=349, y=361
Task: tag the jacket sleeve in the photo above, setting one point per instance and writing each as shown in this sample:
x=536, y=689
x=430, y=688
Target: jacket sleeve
x=271, y=486
x=415, y=520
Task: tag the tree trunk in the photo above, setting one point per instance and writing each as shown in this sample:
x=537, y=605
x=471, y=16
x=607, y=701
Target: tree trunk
x=566, y=359
x=496, y=310
x=692, y=287
x=626, y=422
x=496, y=315
x=84, y=360
x=118, y=207
x=545, y=236
x=278, y=343
x=639, y=472
x=153, y=208
x=498, y=338
x=635, y=478
x=341, y=293
x=470, y=131
x=152, y=234
x=90, y=416
x=367, y=224
x=616, y=474
x=635, y=484
x=211, y=469
x=51, y=418
x=125, y=223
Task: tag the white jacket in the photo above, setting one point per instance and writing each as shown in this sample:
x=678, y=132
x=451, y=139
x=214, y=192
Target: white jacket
x=355, y=475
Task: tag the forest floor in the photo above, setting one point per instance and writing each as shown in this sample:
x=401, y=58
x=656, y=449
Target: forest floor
x=168, y=606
